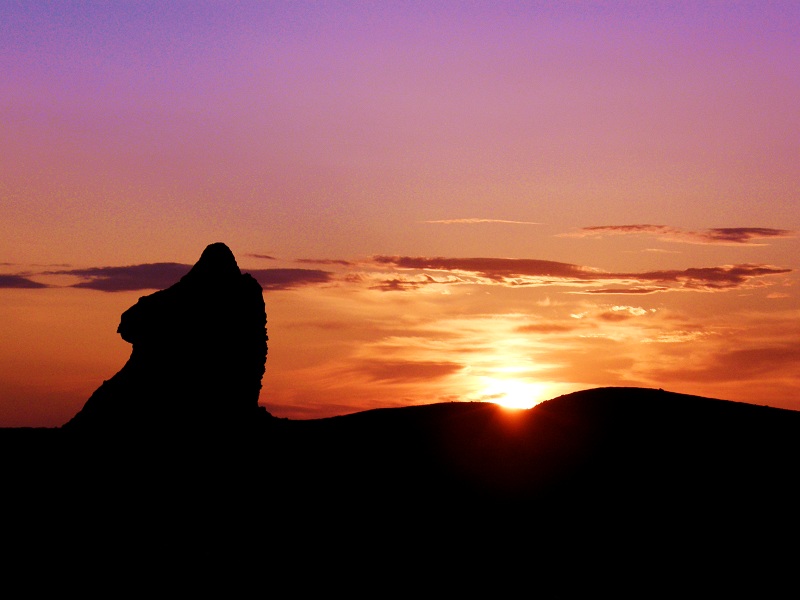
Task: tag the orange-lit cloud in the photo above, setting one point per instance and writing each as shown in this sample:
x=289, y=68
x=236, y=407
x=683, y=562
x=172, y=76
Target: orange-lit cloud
x=623, y=313
x=720, y=235
x=745, y=363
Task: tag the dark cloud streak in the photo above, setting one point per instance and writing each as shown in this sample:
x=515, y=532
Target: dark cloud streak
x=528, y=272
x=150, y=276
x=158, y=276
x=743, y=235
x=19, y=282
x=496, y=269
x=740, y=236
x=708, y=277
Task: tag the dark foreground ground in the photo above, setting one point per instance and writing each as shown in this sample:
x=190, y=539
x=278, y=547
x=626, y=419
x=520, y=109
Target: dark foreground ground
x=617, y=484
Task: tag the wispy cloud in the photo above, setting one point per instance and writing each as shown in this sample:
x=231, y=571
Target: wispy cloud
x=477, y=221
x=732, y=236
x=19, y=282
x=284, y=279
x=545, y=328
x=261, y=256
x=623, y=313
x=398, y=285
x=603, y=230
x=493, y=269
x=325, y=261
x=635, y=290
x=406, y=370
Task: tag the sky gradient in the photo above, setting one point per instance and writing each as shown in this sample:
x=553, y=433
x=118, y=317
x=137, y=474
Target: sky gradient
x=500, y=201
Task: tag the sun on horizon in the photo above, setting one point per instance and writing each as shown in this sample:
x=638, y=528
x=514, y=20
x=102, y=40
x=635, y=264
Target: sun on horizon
x=512, y=392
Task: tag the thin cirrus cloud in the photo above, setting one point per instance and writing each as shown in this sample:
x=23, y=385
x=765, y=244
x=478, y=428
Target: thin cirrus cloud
x=262, y=256
x=545, y=328
x=402, y=371
x=529, y=272
x=628, y=290
x=477, y=221
x=735, y=236
x=325, y=261
x=157, y=276
x=284, y=279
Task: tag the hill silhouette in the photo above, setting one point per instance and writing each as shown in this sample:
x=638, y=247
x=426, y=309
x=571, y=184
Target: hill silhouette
x=657, y=480
x=663, y=483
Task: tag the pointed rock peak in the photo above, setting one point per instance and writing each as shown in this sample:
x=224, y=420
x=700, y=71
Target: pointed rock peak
x=199, y=354
x=216, y=262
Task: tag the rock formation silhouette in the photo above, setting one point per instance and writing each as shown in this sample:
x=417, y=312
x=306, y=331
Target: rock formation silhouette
x=199, y=354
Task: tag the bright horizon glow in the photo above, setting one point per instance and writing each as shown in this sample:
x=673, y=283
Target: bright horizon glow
x=510, y=392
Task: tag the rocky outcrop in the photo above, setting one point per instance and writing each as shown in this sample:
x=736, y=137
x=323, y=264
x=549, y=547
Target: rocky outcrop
x=199, y=354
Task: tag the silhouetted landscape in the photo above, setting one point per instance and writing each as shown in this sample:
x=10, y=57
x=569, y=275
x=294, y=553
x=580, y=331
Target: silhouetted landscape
x=173, y=454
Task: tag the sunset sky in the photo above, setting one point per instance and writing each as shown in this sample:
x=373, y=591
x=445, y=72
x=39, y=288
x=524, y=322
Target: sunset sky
x=502, y=201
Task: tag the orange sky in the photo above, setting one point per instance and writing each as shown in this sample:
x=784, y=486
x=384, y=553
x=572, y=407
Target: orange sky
x=464, y=201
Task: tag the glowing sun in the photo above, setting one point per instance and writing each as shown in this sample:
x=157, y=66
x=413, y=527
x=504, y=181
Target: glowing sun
x=511, y=393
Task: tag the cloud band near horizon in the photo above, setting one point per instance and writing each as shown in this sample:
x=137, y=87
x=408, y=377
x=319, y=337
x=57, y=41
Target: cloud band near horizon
x=405, y=273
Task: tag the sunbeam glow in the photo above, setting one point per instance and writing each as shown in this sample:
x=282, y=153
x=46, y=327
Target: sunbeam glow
x=511, y=392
